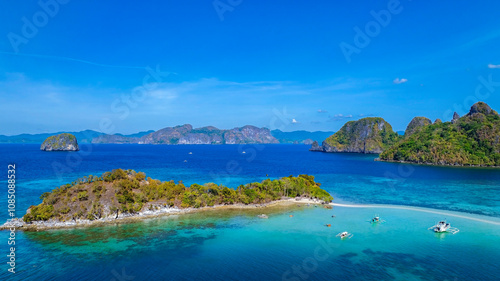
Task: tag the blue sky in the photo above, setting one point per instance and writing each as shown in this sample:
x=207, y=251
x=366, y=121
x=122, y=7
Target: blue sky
x=123, y=67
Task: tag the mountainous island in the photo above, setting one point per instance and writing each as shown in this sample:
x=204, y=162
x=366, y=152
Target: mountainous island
x=184, y=134
x=61, y=142
x=126, y=193
x=367, y=135
x=471, y=140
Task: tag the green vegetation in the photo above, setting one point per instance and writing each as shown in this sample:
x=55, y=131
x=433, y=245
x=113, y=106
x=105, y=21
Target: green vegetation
x=123, y=191
x=59, y=142
x=367, y=135
x=473, y=140
x=415, y=125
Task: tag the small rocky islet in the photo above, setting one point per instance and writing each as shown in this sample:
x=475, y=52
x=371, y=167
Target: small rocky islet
x=61, y=142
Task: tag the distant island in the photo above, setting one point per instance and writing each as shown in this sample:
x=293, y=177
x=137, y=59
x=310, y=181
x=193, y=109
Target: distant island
x=61, y=142
x=129, y=194
x=471, y=140
x=184, y=134
x=300, y=137
x=367, y=135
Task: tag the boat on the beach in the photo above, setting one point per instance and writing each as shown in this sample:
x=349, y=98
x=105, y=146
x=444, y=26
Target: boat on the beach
x=344, y=234
x=443, y=226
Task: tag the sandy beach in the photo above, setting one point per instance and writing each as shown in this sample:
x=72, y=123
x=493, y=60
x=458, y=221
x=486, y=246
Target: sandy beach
x=19, y=224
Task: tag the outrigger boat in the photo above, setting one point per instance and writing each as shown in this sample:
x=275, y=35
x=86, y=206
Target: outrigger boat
x=377, y=219
x=344, y=234
x=443, y=226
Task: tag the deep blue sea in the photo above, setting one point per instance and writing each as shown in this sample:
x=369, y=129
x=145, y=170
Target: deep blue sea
x=236, y=245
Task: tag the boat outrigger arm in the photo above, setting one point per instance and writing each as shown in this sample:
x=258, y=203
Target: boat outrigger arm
x=376, y=219
x=345, y=234
x=443, y=226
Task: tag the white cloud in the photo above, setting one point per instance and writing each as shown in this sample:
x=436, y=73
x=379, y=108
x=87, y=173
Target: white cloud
x=400, y=81
x=493, y=65
x=165, y=104
x=338, y=117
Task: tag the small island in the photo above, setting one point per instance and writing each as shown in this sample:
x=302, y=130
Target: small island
x=121, y=194
x=367, y=135
x=61, y=142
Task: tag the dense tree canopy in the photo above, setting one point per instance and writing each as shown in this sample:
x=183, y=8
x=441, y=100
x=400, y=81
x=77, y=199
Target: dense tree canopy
x=123, y=191
x=473, y=139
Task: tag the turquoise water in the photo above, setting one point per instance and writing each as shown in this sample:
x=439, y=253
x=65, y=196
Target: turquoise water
x=236, y=245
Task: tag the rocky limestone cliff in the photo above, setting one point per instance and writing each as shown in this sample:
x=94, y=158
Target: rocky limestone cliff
x=186, y=134
x=415, y=124
x=61, y=142
x=249, y=134
x=316, y=147
x=367, y=135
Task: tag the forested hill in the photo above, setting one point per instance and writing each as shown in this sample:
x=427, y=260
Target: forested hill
x=472, y=140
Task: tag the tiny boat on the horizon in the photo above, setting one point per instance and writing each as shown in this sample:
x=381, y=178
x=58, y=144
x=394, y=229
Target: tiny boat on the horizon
x=328, y=225
x=243, y=152
x=185, y=161
x=190, y=152
x=443, y=226
x=263, y=216
x=344, y=234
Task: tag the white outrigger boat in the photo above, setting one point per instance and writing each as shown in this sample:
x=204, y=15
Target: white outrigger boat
x=263, y=216
x=376, y=219
x=443, y=226
x=345, y=234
